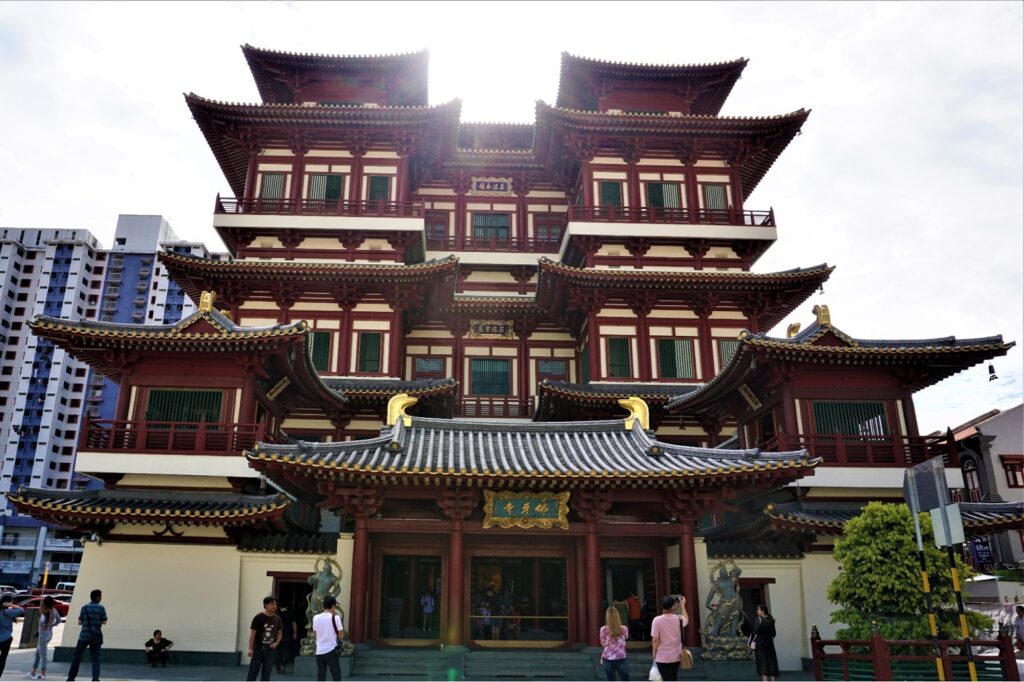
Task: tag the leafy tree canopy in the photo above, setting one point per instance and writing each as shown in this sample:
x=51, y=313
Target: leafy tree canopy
x=880, y=580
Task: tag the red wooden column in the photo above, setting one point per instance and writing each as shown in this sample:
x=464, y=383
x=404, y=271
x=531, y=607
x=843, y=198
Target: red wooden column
x=642, y=304
x=591, y=505
x=686, y=507
x=457, y=506
x=250, y=173
x=124, y=392
x=703, y=309
x=361, y=503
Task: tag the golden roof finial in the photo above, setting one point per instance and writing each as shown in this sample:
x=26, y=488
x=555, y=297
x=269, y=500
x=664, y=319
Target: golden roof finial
x=206, y=301
x=792, y=330
x=821, y=311
x=638, y=412
x=397, y=406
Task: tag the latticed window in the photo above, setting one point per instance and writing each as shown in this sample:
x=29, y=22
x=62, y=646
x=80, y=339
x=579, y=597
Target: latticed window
x=321, y=351
x=369, y=352
x=436, y=225
x=553, y=369
x=850, y=418
x=726, y=349
x=663, y=195
x=618, y=358
x=1013, y=467
x=428, y=368
x=183, y=405
x=491, y=225
x=272, y=186
x=715, y=196
x=325, y=187
x=379, y=188
x=611, y=193
x=675, y=359
x=490, y=376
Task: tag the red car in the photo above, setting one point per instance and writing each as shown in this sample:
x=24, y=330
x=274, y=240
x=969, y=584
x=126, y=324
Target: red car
x=35, y=602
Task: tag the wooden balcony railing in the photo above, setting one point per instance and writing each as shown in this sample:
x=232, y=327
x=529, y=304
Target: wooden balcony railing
x=394, y=209
x=888, y=451
x=881, y=659
x=200, y=438
x=494, y=407
x=647, y=214
x=493, y=244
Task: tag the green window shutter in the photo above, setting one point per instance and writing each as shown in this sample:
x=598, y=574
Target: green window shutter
x=675, y=359
x=585, y=365
x=850, y=418
x=618, y=358
x=321, y=351
x=715, y=197
x=174, y=405
x=379, y=188
x=333, y=187
x=655, y=195
x=272, y=186
x=428, y=367
x=611, y=193
x=491, y=225
x=670, y=196
x=553, y=368
x=726, y=349
x=369, y=351
x=490, y=377
x=317, y=186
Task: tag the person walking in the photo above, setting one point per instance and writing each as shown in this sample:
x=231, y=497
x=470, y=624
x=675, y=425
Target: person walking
x=613, y=645
x=265, y=634
x=157, y=649
x=48, y=618
x=427, y=604
x=286, y=652
x=635, y=607
x=328, y=629
x=763, y=641
x=8, y=612
x=92, y=618
x=667, y=636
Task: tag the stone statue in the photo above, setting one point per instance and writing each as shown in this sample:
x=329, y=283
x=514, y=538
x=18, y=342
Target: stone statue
x=722, y=638
x=326, y=583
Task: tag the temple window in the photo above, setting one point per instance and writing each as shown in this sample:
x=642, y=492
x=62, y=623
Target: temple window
x=436, y=225
x=663, y=195
x=618, y=359
x=321, y=351
x=272, y=186
x=369, y=360
x=548, y=227
x=726, y=349
x=611, y=193
x=428, y=368
x=379, y=188
x=183, y=405
x=489, y=376
x=715, y=196
x=491, y=226
x=1013, y=467
x=675, y=359
x=325, y=187
x=850, y=418
x=553, y=370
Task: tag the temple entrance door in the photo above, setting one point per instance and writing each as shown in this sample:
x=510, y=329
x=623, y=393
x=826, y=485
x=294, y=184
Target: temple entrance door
x=410, y=599
x=292, y=600
x=518, y=602
x=626, y=577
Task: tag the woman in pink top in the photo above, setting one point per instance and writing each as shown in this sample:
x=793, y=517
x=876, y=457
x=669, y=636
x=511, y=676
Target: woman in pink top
x=666, y=636
x=613, y=640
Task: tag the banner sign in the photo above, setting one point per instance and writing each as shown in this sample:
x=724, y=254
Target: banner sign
x=526, y=510
x=491, y=186
x=491, y=329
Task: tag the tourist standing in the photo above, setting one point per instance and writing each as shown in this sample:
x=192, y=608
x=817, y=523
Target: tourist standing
x=635, y=607
x=613, y=645
x=48, y=618
x=328, y=629
x=1018, y=630
x=427, y=606
x=92, y=618
x=764, y=645
x=667, y=636
x=8, y=613
x=286, y=652
x=265, y=634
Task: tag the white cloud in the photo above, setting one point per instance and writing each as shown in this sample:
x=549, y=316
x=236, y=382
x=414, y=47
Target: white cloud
x=908, y=175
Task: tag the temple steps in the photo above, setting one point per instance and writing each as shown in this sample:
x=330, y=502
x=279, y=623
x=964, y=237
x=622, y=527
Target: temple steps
x=529, y=665
x=400, y=664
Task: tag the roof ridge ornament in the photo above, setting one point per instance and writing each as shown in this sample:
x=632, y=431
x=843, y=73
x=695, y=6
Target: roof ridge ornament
x=793, y=329
x=206, y=301
x=397, y=406
x=821, y=312
x=638, y=412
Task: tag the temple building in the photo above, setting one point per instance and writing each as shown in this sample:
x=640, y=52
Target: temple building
x=525, y=369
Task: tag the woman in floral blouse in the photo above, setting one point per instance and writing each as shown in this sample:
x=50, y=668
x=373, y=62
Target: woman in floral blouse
x=613, y=640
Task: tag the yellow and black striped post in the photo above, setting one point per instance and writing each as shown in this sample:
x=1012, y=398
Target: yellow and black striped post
x=933, y=625
x=955, y=574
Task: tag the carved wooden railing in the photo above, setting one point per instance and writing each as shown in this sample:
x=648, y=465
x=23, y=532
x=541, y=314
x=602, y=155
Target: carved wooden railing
x=648, y=214
x=485, y=407
x=394, y=209
x=493, y=244
x=108, y=435
x=842, y=450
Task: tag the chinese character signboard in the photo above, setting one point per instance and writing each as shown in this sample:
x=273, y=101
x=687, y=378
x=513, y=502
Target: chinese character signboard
x=491, y=186
x=491, y=329
x=526, y=510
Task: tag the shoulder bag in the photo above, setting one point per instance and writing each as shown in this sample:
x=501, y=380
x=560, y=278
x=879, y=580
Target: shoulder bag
x=685, y=656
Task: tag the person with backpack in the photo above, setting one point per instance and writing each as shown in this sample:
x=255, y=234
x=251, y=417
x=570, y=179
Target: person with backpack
x=92, y=618
x=8, y=612
x=48, y=618
x=329, y=629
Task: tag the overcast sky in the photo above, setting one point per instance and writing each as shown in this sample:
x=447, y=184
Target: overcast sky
x=908, y=175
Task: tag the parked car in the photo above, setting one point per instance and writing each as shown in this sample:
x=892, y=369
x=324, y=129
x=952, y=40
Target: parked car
x=66, y=587
x=10, y=589
x=35, y=602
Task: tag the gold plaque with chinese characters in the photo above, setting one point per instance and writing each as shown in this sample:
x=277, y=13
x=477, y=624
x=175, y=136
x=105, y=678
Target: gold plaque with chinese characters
x=490, y=187
x=491, y=329
x=526, y=510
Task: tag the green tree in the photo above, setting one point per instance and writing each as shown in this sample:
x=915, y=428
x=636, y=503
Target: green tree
x=880, y=580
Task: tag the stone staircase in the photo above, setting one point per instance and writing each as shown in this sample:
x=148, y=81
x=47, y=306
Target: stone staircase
x=529, y=665
x=400, y=664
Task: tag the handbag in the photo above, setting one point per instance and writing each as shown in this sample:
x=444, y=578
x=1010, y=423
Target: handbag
x=752, y=642
x=685, y=656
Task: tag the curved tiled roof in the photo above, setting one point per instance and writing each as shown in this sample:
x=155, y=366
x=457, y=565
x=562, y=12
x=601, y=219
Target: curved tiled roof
x=828, y=518
x=289, y=543
x=552, y=396
x=694, y=278
x=81, y=507
x=386, y=388
x=601, y=452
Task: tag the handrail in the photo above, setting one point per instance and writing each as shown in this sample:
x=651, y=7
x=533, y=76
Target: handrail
x=399, y=209
x=482, y=406
x=521, y=245
x=846, y=450
x=167, y=436
x=649, y=214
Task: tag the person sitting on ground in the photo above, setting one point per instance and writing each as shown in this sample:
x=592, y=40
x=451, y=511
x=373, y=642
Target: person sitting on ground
x=157, y=648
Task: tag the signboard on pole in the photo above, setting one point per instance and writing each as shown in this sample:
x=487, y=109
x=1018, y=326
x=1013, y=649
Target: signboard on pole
x=948, y=526
x=924, y=486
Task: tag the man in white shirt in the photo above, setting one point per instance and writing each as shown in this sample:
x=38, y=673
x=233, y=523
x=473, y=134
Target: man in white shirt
x=329, y=627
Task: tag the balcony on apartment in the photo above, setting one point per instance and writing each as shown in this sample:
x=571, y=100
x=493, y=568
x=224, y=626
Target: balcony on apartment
x=172, y=437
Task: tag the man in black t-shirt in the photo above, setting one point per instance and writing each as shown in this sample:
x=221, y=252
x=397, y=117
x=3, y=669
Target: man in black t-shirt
x=265, y=634
x=157, y=648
